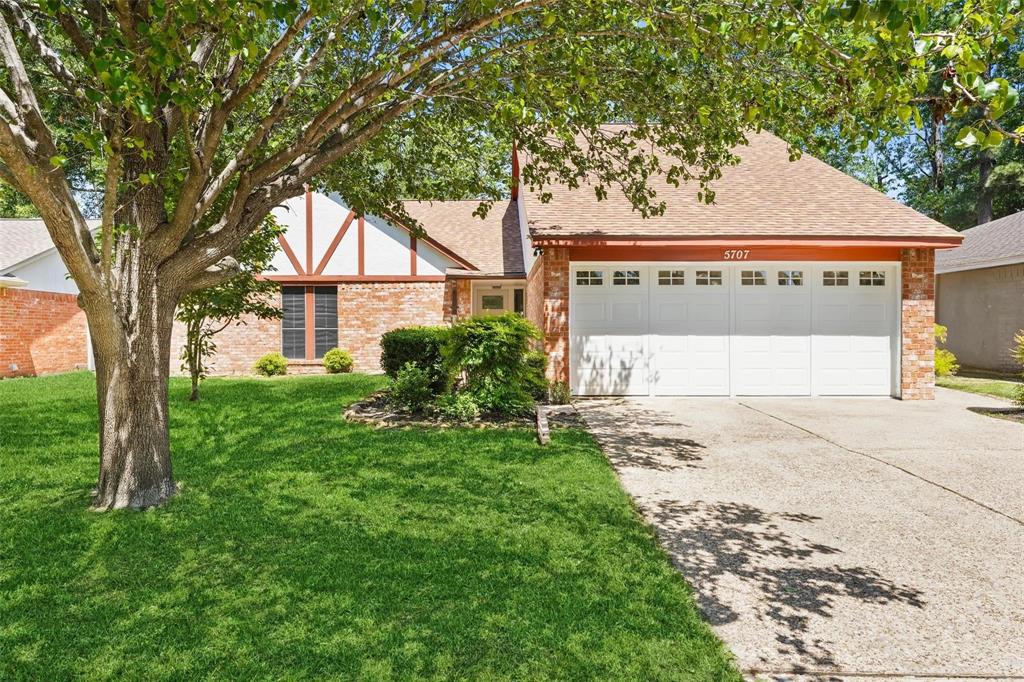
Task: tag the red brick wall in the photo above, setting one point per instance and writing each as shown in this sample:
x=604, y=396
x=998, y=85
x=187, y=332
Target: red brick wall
x=238, y=346
x=917, y=356
x=535, y=293
x=365, y=312
x=41, y=333
x=550, y=310
x=458, y=299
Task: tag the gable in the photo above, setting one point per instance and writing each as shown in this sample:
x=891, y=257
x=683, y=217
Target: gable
x=323, y=238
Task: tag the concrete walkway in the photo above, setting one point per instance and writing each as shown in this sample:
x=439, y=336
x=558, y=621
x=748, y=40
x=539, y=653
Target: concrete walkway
x=837, y=538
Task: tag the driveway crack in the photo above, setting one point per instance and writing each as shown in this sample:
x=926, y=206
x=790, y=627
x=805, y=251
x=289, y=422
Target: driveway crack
x=1019, y=522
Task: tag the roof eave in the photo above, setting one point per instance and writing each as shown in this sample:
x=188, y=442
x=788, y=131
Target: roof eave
x=981, y=265
x=931, y=242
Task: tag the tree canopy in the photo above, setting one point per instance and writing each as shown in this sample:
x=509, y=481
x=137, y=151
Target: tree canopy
x=186, y=122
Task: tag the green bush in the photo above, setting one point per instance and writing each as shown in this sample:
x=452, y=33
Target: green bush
x=337, y=361
x=536, y=379
x=945, y=361
x=411, y=390
x=271, y=365
x=421, y=346
x=1018, y=354
x=491, y=357
x=457, y=407
x=560, y=394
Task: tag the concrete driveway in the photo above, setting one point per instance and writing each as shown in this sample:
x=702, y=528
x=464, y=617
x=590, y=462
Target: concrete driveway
x=837, y=538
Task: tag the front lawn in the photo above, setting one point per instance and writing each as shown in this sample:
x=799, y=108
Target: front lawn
x=306, y=547
x=1000, y=388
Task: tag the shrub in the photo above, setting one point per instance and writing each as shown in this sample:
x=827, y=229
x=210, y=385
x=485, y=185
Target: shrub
x=491, y=356
x=337, y=361
x=421, y=346
x=945, y=361
x=1018, y=354
x=536, y=380
x=560, y=393
x=271, y=365
x=411, y=390
x=458, y=407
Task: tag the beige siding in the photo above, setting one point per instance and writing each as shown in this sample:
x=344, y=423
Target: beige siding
x=983, y=310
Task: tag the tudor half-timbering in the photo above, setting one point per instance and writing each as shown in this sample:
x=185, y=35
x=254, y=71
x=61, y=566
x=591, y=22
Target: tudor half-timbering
x=799, y=280
x=346, y=279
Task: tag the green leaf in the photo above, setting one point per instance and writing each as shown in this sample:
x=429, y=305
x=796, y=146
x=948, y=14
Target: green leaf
x=904, y=111
x=57, y=160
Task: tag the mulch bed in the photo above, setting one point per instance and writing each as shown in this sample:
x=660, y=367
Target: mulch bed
x=376, y=412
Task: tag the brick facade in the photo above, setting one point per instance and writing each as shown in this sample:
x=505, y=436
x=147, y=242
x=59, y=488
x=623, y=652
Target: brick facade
x=41, y=333
x=917, y=354
x=547, y=306
x=365, y=311
x=458, y=299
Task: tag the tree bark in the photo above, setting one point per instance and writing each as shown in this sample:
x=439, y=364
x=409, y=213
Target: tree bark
x=131, y=387
x=986, y=164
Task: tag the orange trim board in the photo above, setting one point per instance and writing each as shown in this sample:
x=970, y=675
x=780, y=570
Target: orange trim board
x=737, y=253
x=740, y=242
x=291, y=254
x=334, y=243
x=351, y=279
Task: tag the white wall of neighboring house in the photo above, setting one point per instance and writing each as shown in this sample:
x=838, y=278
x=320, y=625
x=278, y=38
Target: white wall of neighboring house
x=45, y=272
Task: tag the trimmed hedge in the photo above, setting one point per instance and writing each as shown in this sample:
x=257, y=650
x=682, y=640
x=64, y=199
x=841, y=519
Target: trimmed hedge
x=422, y=346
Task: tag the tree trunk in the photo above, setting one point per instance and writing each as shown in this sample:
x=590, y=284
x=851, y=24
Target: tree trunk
x=986, y=164
x=132, y=352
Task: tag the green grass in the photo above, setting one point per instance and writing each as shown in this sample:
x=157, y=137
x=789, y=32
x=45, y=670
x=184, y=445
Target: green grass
x=999, y=388
x=305, y=547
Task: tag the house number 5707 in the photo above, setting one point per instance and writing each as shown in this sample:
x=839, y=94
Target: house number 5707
x=737, y=254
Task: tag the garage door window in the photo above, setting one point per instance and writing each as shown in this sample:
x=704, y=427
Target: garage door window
x=754, y=278
x=674, y=278
x=709, y=278
x=872, y=278
x=791, y=278
x=835, y=278
x=627, y=278
x=589, y=278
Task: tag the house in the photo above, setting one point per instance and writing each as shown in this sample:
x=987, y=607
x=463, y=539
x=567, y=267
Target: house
x=799, y=280
x=980, y=293
x=42, y=329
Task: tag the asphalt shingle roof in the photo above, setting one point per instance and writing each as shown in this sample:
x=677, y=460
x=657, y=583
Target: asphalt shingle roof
x=1000, y=242
x=21, y=239
x=492, y=244
x=765, y=195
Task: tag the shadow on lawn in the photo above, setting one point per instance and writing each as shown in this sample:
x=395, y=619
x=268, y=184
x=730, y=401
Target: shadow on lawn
x=313, y=547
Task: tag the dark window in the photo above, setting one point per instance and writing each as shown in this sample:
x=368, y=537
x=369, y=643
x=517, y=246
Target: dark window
x=519, y=301
x=325, y=319
x=293, y=324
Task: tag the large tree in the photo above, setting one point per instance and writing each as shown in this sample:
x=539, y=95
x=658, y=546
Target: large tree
x=194, y=118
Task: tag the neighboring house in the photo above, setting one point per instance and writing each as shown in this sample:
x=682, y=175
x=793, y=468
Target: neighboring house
x=42, y=329
x=980, y=293
x=799, y=280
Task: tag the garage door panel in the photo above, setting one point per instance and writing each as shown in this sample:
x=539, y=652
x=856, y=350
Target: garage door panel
x=589, y=311
x=751, y=335
x=620, y=381
x=717, y=311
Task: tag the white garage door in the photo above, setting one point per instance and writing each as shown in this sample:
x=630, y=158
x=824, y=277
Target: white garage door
x=747, y=329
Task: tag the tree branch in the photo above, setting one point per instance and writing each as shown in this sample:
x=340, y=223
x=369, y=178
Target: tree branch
x=49, y=57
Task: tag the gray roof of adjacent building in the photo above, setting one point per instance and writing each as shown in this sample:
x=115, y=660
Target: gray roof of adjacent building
x=24, y=238
x=1000, y=242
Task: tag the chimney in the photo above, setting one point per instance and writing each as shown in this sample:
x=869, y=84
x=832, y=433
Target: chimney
x=515, y=171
